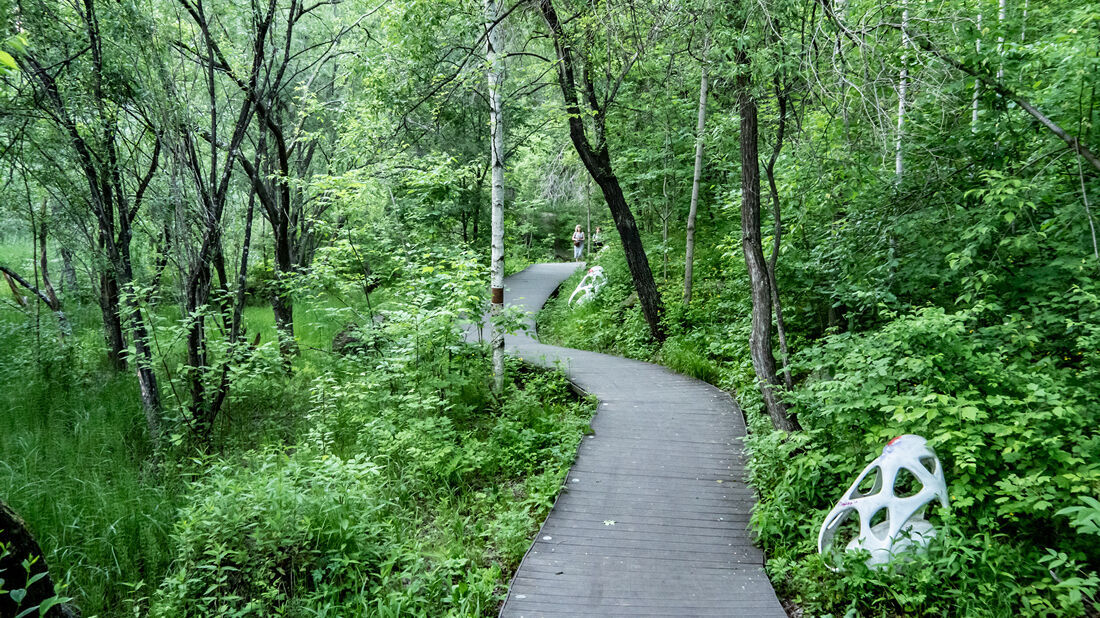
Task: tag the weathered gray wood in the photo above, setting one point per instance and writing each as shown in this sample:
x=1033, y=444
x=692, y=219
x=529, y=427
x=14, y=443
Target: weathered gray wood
x=653, y=518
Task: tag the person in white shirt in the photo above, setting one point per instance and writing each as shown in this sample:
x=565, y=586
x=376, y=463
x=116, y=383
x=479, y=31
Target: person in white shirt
x=578, y=244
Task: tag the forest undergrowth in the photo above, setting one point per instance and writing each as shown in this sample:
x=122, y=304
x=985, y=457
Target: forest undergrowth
x=386, y=480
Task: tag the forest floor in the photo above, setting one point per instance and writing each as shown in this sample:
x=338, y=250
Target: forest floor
x=401, y=445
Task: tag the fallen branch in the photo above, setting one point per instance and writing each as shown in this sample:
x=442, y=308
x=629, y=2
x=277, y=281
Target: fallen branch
x=50, y=300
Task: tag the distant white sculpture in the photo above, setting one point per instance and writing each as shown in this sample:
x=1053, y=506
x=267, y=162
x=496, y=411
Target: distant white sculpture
x=904, y=527
x=587, y=289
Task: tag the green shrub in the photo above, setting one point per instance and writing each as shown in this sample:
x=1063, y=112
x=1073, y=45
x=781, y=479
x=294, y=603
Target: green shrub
x=1018, y=441
x=274, y=532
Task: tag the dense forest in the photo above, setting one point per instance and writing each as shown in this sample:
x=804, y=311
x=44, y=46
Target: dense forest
x=240, y=242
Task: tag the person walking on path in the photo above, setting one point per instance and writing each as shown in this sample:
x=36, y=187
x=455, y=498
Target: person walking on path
x=597, y=240
x=578, y=244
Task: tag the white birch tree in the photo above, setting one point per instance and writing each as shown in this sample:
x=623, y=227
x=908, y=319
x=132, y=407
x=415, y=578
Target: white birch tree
x=903, y=86
x=689, y=257
x=495, y=61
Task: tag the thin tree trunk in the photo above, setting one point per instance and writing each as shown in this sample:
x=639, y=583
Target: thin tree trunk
x=1023, y=24
x=148, y=387
x=68, y=271
x=689, y=252
x=1002, y=17
x=495, y=59
x=112, y=320
x=903, y=86
x=242, y=274
x=760, y=344
x=588, y=228
x=666, y=203
x=769, y=169
x=977, y=81
x=282, y=306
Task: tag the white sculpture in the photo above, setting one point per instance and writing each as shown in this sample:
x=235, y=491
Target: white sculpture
x=904, y=526
x=589, y=286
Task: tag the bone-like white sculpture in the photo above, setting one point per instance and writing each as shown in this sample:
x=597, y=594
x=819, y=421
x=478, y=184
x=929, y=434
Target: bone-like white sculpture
x=904, y=527
x=589, y=286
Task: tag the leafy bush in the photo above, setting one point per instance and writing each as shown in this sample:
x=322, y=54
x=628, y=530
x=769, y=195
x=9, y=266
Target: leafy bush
x=1018, y=440
x=274, y=532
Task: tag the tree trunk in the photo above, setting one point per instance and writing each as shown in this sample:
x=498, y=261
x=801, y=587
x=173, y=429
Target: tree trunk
x=903, y=86
x=281, y=304
x=666, y=204
x=597, y=160
x=777, y=236
x=143, y=354
x=242, y=275
x=977, y=81
x=108, y=198
x=760, y=343
x=112, y=320
x=1002, y=17
x=689, y=253
x=68, y=271
x=648, y=296
x=21, y=548
x=495, y=59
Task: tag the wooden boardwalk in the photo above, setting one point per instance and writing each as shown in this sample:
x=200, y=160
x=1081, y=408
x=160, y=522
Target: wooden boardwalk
x=653, y=520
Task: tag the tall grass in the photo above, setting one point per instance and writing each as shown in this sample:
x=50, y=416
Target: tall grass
x=76, y=464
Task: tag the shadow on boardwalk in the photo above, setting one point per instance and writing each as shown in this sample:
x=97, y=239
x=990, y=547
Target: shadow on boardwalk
x=653, y=520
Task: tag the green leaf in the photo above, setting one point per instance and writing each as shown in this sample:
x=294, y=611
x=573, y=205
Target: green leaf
x=7, y=60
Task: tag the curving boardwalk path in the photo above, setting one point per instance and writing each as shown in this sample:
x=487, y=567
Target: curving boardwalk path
x=653, y=520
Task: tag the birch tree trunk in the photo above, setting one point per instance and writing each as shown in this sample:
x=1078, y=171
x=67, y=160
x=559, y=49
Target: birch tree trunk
x=496, y=78
x=1023, y=24
x=903, y=86
x=1002, y=17
x=689, y=257
x=977, y=81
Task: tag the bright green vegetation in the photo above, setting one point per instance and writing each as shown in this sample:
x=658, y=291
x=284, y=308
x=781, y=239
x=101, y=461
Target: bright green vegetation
x=396, y=504
x=388, y=482
x=225, y=192
x=996, y=366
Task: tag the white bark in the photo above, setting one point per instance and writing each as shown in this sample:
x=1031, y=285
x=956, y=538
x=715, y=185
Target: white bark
x=495, y=60
x=689, y=258
x=903, y=86
x=1002, y=17
x=977, y=82
x=1023, y=25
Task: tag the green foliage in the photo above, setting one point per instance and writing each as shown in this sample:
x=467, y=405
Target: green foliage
x=428, y=525
x=610, y=322
x=389, y=482
x=76, y=464
x=258, y=532
x=958, y=300
x=1017, y=439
